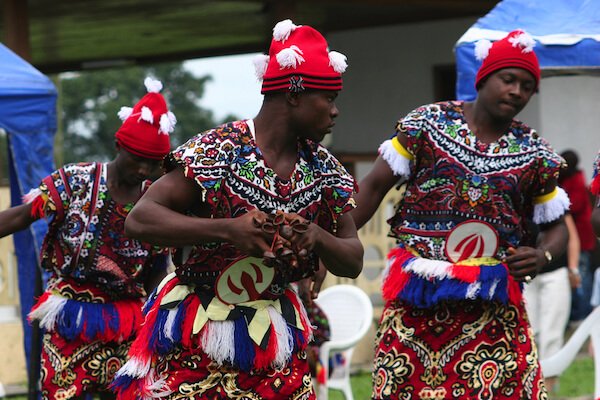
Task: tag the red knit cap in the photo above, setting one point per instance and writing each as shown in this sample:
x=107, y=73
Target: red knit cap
x=146, y=126
x=514, y=51
x=299, y=59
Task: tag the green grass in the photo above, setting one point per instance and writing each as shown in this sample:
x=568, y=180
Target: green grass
x=577, y=381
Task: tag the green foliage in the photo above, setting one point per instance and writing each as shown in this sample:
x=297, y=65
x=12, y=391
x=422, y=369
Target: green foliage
x=90, y=100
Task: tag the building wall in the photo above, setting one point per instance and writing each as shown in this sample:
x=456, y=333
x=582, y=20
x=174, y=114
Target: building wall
x=390, y=72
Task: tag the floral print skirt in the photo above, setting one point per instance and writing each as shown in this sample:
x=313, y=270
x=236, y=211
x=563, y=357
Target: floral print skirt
x=461, y=349
x=72, y=368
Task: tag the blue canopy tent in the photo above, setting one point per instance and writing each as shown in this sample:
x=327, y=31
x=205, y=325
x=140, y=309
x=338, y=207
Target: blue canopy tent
x=28, y=115
x=567, y=35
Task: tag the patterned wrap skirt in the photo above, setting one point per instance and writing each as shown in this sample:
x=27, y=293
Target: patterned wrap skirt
x=193, y=346
x=467, y=349
x=70, y=369
x=86, y=340
x=194, y=375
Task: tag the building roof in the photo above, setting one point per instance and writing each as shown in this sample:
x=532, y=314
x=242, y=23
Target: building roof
x=73, y=34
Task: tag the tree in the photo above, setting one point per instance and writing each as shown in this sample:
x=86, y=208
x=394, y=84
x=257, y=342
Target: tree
x=90, y=101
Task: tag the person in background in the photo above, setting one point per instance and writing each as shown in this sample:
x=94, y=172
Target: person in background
x=595, y=220
x=572, y=180
x=91, y=309
x=454, y=324
x=548, y=300
x=255, y=204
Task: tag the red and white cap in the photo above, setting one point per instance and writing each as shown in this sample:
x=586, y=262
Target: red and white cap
x=299, y=59
x=146, y=126
x=513, y=51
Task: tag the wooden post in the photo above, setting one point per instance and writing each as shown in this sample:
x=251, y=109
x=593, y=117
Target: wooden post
x=16, y=27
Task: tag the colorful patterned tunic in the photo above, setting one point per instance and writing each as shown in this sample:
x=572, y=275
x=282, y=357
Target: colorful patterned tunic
x=92, y=306
x=454, y=325
x=221, y=310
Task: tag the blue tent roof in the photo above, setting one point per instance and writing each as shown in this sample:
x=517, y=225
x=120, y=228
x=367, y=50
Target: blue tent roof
x=28, y=115
x=567, y=35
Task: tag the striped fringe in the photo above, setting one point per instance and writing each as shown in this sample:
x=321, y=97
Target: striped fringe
x=425, y=283
x=107, y=322
x=37, y=199
x=227, y=342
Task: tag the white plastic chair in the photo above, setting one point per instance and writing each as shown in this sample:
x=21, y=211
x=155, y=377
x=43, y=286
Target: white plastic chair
x=557, y=363
x=350, y=314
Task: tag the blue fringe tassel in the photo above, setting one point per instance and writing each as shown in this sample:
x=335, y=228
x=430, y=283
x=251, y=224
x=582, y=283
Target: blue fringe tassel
x=426, y=293
x=488, y=276
x=150, y=302
x=451, y=289
x=159, y=342
x=178, y=324
x=244, y=346
x=94, y=319
x=113, y=318
x=67, y=323
x=121, y=382
x=97, y=317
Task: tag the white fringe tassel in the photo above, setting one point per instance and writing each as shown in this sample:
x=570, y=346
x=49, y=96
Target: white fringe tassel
x=553, y=209
x=31, y=195
x=399, y=164
x=49, y=312
x=135, y=368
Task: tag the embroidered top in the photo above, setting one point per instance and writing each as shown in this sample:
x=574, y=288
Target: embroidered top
x=234, y=178
x=455, y=178
x=85, y=240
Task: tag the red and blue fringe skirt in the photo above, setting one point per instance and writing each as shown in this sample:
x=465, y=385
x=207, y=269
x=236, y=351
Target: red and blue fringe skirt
x=454, y=331
x=87, y=338
x=193, y=346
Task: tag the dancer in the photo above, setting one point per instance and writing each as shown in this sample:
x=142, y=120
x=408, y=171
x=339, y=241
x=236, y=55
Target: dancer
x=252, y=206
x=454, y=325
x=91, y=308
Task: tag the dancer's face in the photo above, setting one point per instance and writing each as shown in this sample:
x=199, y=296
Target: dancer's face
x=507, y=91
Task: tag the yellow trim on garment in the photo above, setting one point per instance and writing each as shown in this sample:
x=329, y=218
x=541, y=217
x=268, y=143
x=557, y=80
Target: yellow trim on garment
x=219, y=311
x=545, y=197
x=401, y=149
x=477, y=262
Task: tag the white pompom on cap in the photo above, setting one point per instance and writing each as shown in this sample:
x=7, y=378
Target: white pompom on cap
x=261, y=62
x=283, y=29
x=290, y=57
x=338, y=61
x=482, y=49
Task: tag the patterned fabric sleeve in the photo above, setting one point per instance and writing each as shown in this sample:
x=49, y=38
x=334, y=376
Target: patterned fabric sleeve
x=337, y=189
x=411, y=126
x=206, y=158
x=50, y=198
x=549, y=164
x=549, y=203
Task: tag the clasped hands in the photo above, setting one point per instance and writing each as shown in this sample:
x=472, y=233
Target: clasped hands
x=284, y=240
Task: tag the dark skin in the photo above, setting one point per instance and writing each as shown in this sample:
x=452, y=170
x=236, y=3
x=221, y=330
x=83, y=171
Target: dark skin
x=160, y=215
x=501, y=96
